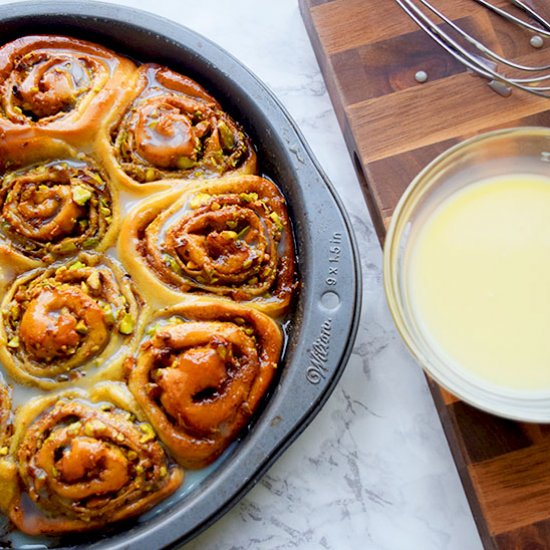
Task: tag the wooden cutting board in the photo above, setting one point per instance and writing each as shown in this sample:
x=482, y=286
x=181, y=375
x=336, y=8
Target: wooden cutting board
x=369, y=52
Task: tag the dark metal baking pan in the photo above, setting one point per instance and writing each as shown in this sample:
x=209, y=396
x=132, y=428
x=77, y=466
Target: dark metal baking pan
x=325, y=317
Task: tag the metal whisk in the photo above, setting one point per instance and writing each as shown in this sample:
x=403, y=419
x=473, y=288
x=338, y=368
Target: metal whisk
x=503, y=74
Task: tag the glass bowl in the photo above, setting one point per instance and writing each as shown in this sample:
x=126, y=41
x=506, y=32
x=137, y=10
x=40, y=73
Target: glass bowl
x=491, y=155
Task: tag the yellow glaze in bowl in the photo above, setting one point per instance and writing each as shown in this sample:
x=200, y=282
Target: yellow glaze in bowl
x=467, y=271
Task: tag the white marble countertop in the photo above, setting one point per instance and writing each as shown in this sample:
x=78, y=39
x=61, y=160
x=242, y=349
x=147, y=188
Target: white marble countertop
x=373, y=470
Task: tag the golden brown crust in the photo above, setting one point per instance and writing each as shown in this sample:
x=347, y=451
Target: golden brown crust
x=61, y=322
x=59, y=87
x=228, y=238
x=173, y=129
x=202, y=373
x=84, y=463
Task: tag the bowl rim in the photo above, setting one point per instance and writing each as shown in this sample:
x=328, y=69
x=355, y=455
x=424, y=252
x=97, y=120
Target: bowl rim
x=307, y=381
x=523, y=406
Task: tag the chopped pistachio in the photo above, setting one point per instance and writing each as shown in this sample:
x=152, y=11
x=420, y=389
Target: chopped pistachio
x=229, y=235
x=15, y=310
x=148, y=433
x=3, y=451
x=249, y=197
x=108, y=313
x=74, y=427
x=150, y=174
x=215, y=206
x=90, y=243
x=228, y=141
x=127, y=324
x=92, y=427
x=132, y=455
x=231, y=224
x=104, y=211
x=153, y=328
x=81, y=327
x=94, y=281
x=67, y=246
x=81, y=195
x=77, y=265
x=276, y=218
x=172, y=264
x=97, y=178
x=247, y=263
x=243, y=232
x=199, y=200
x=14, y=342
x=184, y=163
x=163, y=472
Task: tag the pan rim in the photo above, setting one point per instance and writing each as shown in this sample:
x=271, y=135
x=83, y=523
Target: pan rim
x=168, y=530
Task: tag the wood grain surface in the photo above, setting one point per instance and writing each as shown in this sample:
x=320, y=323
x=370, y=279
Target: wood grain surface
x=369, y=52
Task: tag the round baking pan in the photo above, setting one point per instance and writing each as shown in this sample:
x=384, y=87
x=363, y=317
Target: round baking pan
x=325, y=316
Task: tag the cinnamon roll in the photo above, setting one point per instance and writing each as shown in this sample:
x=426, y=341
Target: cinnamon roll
x=85, y=462
x=53, y=209
x=201, y=373
x=228, y=238
x=67, y=321
x=58, y=86
x=173, y=129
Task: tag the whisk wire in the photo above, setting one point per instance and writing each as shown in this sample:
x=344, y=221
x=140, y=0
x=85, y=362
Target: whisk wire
x=474, y=54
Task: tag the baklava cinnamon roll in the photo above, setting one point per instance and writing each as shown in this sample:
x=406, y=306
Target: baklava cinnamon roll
x=229, y=238
x=59, y=87
x=53, y=209
x=85, y=463
x=67, y=321
x=173, y=129
x=201, y=373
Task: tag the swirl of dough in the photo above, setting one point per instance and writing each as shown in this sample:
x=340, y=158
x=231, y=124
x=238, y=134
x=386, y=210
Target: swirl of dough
x=52, y=209
x=84, y=463
x=173, y=129
x=232, y=238
x=58, y=86
x=202, y=373
x=65, y=320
